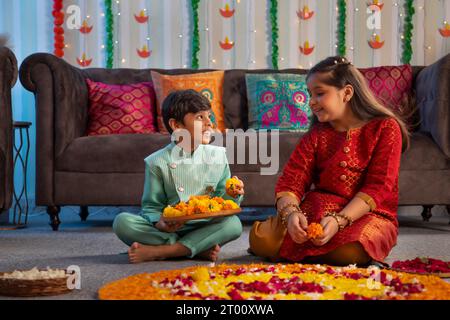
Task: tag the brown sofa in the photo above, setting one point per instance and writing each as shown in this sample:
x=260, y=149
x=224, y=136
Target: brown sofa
x=73, y=169
x=8, y=77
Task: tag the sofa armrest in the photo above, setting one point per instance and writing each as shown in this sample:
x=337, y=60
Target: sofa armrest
x=433, y=100
x=61, y=98
x=8, y=77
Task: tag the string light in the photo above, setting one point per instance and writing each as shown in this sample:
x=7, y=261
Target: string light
x=356, y=9
x=180, y=36
x=213, y=60
x=124, y=60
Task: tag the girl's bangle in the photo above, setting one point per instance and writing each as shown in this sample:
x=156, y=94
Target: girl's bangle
x=336, y=217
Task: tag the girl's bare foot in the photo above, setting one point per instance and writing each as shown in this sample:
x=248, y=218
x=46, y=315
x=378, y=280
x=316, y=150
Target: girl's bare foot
x=141, y=253
x=211, y=254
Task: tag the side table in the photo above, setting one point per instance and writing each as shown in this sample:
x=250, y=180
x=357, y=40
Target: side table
x=19, y=208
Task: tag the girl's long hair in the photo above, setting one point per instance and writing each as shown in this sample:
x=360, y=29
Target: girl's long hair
x=339, y=73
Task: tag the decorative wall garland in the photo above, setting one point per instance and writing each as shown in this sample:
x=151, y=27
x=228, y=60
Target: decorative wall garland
x=407, y=33
x=274, y=24
x=195, y=35
x=58, y=30
x=342, y=9
x=109, y=21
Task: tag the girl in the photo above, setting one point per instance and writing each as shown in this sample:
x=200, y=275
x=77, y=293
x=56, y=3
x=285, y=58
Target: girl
x=352, y=157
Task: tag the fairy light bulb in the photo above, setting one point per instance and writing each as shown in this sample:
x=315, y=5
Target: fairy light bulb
x=124, y=60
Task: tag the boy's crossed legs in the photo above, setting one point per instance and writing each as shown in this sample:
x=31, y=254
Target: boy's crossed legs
x=197, y=238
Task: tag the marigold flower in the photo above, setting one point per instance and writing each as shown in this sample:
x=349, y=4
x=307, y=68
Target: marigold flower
x=231, y=184
x=314, y=231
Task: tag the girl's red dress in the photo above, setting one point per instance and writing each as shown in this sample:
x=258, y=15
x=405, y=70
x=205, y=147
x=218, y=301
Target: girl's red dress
x=337, y=166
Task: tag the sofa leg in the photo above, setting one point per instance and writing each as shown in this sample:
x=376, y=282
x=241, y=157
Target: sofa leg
x=53, y=212
x=426, y=213
x=84, y=213
x=448, y=211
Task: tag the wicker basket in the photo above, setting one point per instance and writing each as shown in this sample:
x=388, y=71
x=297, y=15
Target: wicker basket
x=33, y=288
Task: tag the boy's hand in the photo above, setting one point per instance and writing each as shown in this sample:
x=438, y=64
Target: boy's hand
x=236, y=188
x=167, y=226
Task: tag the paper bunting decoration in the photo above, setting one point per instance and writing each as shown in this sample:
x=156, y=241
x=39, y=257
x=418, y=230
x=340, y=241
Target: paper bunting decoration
x=445, y=31
x=144, y=52
x=227, y=44
x=305, y=14
x=375, y=42
x=58, y=15
x=306, y=49
x=376, y=3
x=83, y=61
x=142, y=17
x=85, y=28
x=226, y=13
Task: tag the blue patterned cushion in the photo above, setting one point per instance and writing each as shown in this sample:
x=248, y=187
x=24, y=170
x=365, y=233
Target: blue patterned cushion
x=278, y=101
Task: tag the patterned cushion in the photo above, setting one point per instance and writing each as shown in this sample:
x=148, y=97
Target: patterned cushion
x=278, y=101
x=119, y=109
x=210, y=84
x=391, y=85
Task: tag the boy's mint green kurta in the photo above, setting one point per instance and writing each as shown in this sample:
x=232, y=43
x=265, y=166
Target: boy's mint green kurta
x=171, y=176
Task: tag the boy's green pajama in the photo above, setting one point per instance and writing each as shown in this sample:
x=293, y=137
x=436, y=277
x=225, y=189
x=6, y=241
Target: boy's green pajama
x=171, y=176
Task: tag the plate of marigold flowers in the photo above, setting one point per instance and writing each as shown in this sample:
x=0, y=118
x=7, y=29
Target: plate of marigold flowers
x=200, y=207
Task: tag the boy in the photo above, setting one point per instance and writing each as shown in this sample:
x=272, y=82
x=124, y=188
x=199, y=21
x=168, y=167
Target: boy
x=183, y=168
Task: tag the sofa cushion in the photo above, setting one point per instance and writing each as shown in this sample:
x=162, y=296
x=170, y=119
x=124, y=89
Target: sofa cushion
x=235, y=95
x=278, y=101
x=124, y=153
x=392, y=86
x=120, y=108
x=210, y=84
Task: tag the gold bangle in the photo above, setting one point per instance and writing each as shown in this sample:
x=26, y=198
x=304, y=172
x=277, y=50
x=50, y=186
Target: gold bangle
x=336, y=217
x=349, y=220
x=284, y=219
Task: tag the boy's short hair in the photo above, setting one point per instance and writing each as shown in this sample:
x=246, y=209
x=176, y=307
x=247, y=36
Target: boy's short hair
x=179, y=103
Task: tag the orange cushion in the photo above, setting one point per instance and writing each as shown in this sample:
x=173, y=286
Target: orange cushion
x=210, y=84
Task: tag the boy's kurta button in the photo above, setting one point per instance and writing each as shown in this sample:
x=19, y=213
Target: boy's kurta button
x=181, y=189
x=343, y=177
x=173, y=165
x=343, y=164
x=346, y=149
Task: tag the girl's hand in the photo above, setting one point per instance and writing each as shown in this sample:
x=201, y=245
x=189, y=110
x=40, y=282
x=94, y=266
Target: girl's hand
x=238, y=188
x=297, y=226
x=167, y=226
x=330, y=228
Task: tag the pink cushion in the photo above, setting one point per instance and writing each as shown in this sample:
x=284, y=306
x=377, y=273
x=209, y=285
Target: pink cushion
x=391, y=85
x=120, y=109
